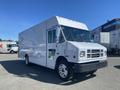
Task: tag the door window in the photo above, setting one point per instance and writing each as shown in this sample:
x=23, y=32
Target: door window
x=52, y=36
x=8, y=45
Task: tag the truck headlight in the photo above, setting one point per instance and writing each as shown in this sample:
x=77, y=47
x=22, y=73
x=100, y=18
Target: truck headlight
x=82, y=53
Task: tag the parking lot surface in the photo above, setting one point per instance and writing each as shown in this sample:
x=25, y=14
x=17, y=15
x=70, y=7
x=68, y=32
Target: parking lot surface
x=15, y=75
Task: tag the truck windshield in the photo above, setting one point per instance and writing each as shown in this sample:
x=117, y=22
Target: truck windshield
x=73, y=34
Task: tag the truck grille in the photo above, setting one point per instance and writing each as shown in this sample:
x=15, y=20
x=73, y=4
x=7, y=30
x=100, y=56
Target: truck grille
x=94, y=53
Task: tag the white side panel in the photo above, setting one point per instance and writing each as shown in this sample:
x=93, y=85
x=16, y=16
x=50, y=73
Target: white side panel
x=33, y=43
x=105, y=39
x=3, y=47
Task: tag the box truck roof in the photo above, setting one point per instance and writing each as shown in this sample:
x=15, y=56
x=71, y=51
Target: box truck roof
x=71, y=23
x=56, y=20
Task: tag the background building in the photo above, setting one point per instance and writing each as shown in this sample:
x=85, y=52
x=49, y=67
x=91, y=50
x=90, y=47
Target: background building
x=108, y=35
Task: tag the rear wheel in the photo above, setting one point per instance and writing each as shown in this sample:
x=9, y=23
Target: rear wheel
x=11, y=51
x=27, y=60
x=64, y=71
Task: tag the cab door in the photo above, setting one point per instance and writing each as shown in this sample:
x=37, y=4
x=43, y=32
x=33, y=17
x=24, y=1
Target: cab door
x=51, y=48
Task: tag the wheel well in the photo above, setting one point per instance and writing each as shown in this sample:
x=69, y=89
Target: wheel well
x=60, y=58
x=11, y=50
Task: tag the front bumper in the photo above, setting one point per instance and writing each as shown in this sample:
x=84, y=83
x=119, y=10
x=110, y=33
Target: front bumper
x=87, y=67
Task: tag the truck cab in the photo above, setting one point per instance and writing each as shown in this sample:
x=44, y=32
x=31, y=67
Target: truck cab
x=74, y=47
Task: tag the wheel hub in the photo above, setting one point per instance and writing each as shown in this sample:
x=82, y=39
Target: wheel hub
x=63, y=72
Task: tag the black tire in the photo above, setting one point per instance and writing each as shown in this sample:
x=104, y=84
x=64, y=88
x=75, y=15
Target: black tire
x=64, y=71
x=27, y=60
x=12, y=52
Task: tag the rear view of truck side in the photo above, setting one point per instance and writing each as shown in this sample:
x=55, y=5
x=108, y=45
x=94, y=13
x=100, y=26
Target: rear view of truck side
x=108, y=35
x=63, y=45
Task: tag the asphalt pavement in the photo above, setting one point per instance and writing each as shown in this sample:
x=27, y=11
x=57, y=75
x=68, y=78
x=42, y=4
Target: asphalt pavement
x=15, y=75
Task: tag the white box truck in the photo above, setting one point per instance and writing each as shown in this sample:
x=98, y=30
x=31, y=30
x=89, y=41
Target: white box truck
x=8, y=47
x=63, y=45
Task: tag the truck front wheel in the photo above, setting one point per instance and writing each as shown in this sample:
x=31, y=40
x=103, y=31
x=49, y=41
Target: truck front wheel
x=64, y=71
